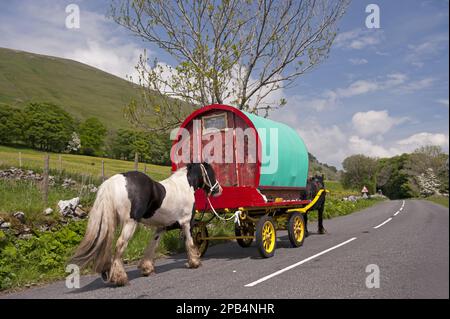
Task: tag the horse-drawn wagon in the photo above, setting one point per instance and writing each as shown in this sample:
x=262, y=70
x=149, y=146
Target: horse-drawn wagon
x=262, y=166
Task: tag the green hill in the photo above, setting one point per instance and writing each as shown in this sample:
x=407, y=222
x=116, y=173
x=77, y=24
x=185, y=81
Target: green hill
x=81, y=90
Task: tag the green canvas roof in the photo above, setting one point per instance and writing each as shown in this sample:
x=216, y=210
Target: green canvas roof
x=284, y=154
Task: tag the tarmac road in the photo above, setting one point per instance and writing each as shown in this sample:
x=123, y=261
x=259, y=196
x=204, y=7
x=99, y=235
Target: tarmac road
x=410, y=247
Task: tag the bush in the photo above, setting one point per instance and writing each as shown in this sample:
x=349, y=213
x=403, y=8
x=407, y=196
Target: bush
x=41, y=257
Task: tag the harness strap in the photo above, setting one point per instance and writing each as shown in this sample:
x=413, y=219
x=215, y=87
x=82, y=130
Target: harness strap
x=207, y=181
x=235, y=216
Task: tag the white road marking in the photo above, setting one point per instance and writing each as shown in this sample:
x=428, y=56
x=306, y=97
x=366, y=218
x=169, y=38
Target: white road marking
x=297, y=264
x=385, y=222
x=400, y=209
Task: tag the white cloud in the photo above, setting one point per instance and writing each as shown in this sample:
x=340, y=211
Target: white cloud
x=394, y=79
x=358, y=39
x=120, y=61
x=358, y=145
x=328, y=144
x=427, y=50
x=97, y=42
x=357, y=88
x=444, y=102
x=418, y=85
x=374, y=122
x=394, y=82
x=422, y=139
x=358, y=61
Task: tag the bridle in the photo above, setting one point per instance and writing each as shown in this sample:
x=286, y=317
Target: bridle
x=207, y=181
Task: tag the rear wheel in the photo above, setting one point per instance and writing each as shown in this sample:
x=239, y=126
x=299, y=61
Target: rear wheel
x=245, y=229
x=296, y=229
x=199, y=232
x=266, y=236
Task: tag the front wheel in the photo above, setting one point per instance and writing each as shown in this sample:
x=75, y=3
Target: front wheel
x=266, y=236
x=296, y=229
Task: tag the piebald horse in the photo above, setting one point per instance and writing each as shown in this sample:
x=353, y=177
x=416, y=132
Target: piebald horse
x=130, y=198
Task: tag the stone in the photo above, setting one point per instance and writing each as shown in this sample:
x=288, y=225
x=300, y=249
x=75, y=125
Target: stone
x=25, y=236
x=5, y=225
x=67, y=207
x=79, y=212
x=48, y=211
x=20, y=216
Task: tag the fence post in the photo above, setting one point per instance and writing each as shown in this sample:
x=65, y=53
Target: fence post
x=20, y=159
x=45, y=179
x=145, y=168
x=136, y=161
x=103, y=170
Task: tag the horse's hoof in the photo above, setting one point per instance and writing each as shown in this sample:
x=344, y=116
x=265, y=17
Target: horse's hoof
x=322, y=231
x=119, y=280
x=306, y=233
x=147, y=268
x=105, y=276
x=192, y=265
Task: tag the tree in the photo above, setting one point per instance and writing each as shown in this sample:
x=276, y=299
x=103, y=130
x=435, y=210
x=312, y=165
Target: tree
x=74, y=144
x=359, y=171
x=236, y=51
x=10, y=124
x=421, y=161
x=393, y=179
x=47, y=127
x=92, y=136
x=151, y=147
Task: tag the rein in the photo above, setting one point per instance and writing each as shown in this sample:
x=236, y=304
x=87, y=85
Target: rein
x=207, y=181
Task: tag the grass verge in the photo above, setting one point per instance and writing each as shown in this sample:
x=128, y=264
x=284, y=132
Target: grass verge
x=441, y=200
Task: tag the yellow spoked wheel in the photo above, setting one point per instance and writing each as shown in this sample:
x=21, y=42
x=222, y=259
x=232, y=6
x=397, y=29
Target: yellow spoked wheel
x=296, y=229
x=245, y=229
x=266, y=236
x=198, y=232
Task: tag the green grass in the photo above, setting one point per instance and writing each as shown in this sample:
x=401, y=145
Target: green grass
x=76, y=164
x=26, y=196
x=441, y=200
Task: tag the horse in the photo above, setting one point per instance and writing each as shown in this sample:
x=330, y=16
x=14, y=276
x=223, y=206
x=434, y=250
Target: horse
x=130, y=198
x=313, y=185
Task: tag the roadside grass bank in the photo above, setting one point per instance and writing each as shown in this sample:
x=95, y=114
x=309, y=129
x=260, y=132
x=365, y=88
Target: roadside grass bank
x=441, y=200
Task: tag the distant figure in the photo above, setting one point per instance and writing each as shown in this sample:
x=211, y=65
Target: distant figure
x=365, y=192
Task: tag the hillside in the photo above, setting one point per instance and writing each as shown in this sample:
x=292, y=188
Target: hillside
x=81, y=90
x=316, y=167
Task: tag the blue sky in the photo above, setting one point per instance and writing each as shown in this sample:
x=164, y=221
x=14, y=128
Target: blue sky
x=382, y=91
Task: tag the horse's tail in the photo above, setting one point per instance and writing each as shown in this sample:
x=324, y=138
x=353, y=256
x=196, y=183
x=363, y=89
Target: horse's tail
x=98, y=239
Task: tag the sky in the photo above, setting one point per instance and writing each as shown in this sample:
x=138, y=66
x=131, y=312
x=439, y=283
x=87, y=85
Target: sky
x=380, y=93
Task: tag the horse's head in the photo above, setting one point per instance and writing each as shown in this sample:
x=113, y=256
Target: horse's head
x=319, y=180
x=314, y=184
x=202, y=175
